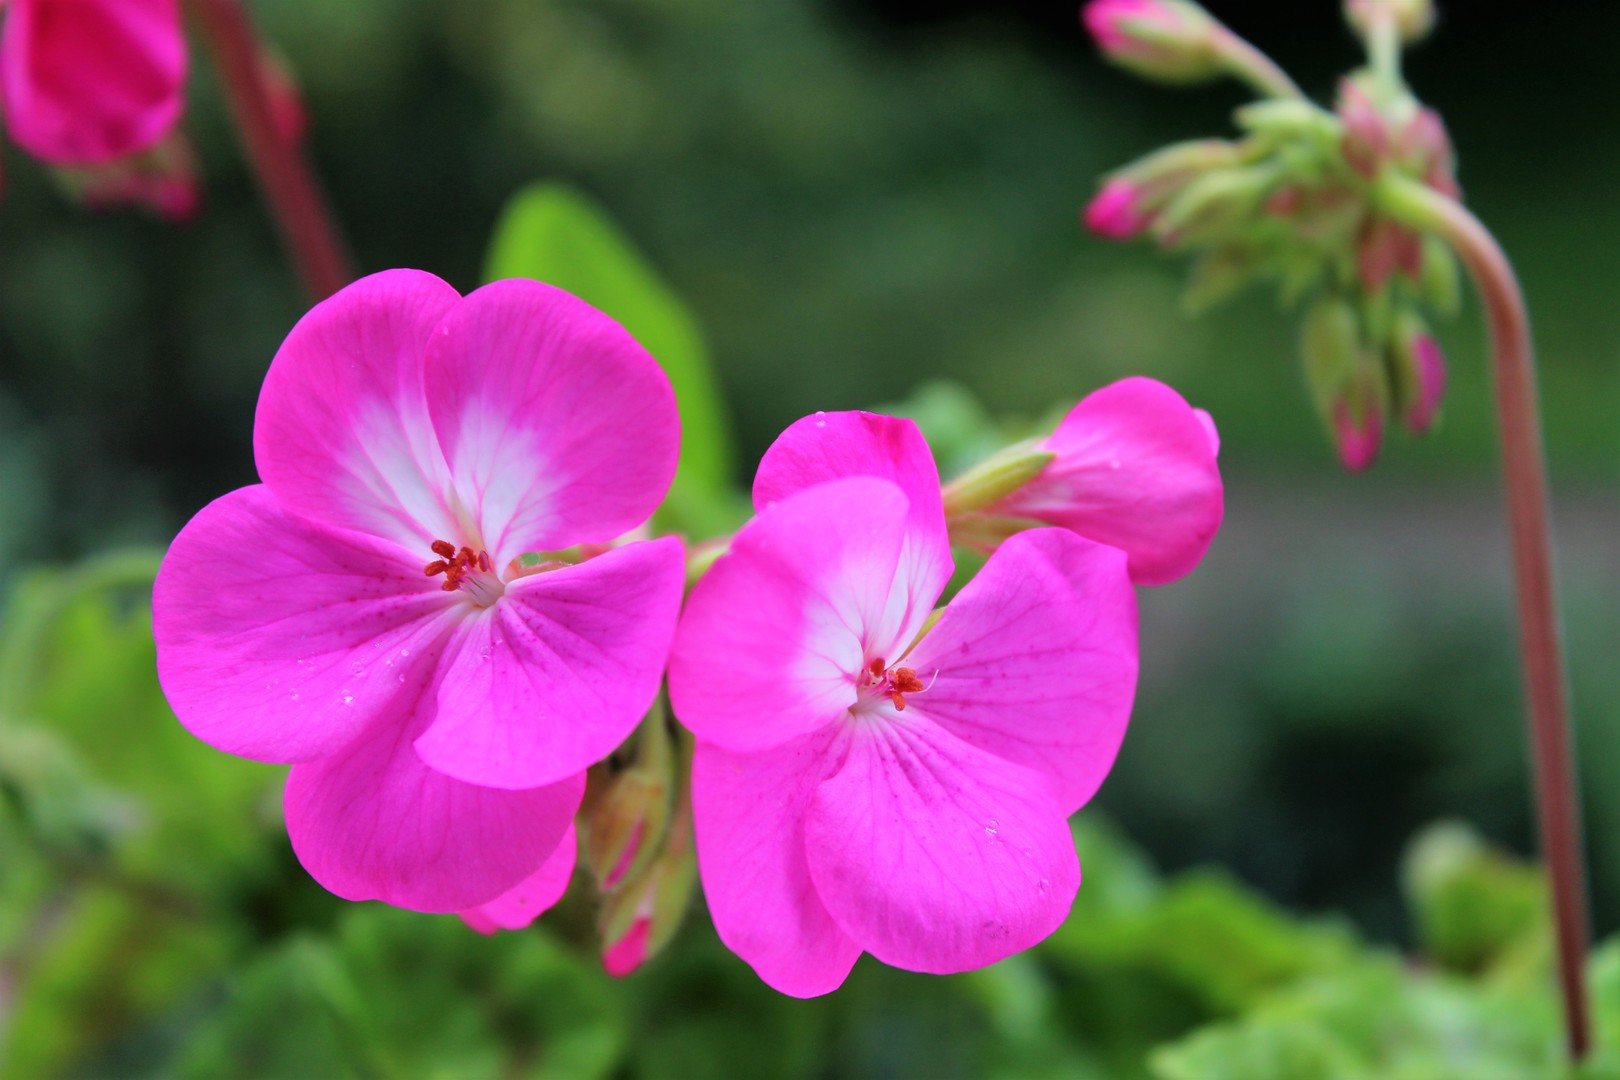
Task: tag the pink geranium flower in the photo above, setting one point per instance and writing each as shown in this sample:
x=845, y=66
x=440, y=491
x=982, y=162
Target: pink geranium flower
x=363, y=614
x=1135, y=468
x=84, y=82
x=860, y=784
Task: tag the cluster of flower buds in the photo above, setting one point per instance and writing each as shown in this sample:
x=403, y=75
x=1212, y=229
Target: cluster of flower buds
x=1295, y=199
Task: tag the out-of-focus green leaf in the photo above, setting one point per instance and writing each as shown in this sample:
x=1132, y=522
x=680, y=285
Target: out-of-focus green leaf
x=1383, y=1020
x=555, y=234
x=1472, y=904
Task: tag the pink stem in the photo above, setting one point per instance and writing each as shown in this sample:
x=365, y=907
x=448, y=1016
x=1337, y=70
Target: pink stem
x=284, y=176
x=1525, y=474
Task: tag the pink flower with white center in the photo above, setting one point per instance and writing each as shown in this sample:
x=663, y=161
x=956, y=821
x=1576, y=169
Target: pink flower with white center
x=363, y=613
x=1134, y=467
x=84, y=82
x=859, y=784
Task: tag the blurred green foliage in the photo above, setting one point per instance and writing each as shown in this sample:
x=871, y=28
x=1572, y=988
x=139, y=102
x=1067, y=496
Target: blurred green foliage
x=153, y=924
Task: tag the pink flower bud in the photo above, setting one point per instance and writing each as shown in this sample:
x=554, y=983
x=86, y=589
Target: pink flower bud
x=1115, y=213
x=1358, y=440
x=621, y=958
x=1424, y=145
x=1384, y=248
x=1429, y=371
x=1171, y=40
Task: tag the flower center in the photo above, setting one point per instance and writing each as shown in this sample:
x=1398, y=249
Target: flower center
x=466, y=571
x=877, y=683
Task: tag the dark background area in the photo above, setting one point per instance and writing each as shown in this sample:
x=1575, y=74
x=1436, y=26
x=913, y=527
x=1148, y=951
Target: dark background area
x=857, y=199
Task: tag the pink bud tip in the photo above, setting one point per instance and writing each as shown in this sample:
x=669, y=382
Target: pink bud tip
x=1358, y=444
x=1102, y=19
x=1114, y=213
x=629, y=952
x=1431, y=384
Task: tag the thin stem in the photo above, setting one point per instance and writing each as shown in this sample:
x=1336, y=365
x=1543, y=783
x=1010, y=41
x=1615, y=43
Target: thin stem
x=1244, y=61
x=1525, y=474
x=283, y=173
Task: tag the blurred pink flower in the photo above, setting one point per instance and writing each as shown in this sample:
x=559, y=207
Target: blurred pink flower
x=439, y=718
x=859, y=784
x=84, y=82
x=1135, y=468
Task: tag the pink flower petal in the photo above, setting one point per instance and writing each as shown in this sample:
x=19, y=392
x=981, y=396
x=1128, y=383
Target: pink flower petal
x=88, y=81
x=516, y=908
x=836, y=445
x=281, y=640
x=559, y=428
x=342, y=433
x=372, y=822
x=811, y=591
x=749, y=813
x=554, y=675
x=935, y=856
x=1136, y=469
x=1036, y=660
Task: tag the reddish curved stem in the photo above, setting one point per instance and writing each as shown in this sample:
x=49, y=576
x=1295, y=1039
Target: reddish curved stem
x=1525, y=475
x=284, y=176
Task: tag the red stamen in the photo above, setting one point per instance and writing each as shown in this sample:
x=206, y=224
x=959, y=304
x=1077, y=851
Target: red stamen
x=899, y=702
x=437, y=566
x=483, y=562
x=443, y=547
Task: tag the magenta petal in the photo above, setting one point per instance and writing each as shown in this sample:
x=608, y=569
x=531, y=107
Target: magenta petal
x=1036, y=660
x=88, y=81
x=1135, y=468
x=280, y=640
x=837, y=445
x=342, y=433
x=519, y=906
x=373, y=823
x=559, y=670
x=810, y=591
x=749, y=814
x=935, y=856
x=558, y=426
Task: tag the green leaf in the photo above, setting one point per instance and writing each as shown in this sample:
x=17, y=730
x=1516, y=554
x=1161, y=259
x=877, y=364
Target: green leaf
x=555, y=234
x=1472, y=904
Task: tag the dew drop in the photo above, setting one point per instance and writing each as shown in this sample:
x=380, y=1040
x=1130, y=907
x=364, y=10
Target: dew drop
x=348, y=699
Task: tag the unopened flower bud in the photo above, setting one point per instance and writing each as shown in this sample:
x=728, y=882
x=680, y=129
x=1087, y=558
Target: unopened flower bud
x=1115, y=213
x=1358, y=433
x=1384, y=248
x=1420, y=376
x=626, y=813
x=1330, y=346
x=1125, y=205
x=995, y=478
x=1366, y=132
x=1170, y=40
x=641, y=916
x=1424, y=146
x=1412, y=19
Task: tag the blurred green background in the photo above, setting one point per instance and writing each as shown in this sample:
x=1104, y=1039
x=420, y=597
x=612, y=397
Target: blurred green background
x=861, y=203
